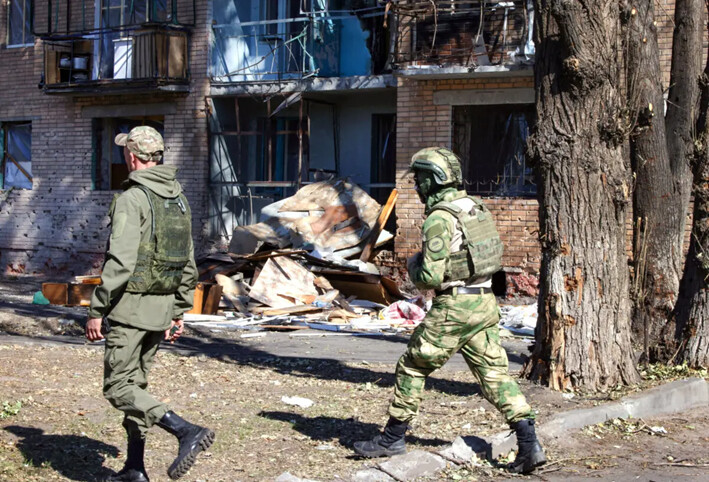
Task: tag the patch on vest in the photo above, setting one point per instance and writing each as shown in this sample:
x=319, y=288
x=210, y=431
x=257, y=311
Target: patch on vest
x=435, y=245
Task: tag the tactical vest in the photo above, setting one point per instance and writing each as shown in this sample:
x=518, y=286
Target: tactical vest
x=481, y=252
x=162, y=260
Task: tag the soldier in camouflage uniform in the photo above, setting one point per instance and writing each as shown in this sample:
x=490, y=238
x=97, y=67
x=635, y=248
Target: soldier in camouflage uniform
x=147, y=283
x=461, y=251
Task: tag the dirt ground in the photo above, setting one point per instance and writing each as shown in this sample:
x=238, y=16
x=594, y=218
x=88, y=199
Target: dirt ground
x=55, y=424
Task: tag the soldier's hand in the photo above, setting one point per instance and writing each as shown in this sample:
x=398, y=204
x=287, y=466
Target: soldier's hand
x=93, y=329
x=175, y=331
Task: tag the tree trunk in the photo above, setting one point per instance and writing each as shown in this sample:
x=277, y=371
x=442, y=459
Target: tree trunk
x=583, y=332
x=660, y=195
x=681, y=124
x=686, y=337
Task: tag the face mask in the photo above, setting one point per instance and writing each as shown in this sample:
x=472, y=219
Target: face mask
x=422, y=186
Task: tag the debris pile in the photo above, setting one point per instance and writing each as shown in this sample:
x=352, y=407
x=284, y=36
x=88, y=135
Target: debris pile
x=306, y=264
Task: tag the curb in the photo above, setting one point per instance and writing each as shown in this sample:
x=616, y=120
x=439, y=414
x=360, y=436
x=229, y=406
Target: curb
x=670, y=398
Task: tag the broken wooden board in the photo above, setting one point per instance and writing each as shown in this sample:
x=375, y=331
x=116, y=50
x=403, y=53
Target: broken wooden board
x=379, y=226
x=291, y=310
x=279, y=279
x=212, y=265
x=364, y=286
x=88, y=280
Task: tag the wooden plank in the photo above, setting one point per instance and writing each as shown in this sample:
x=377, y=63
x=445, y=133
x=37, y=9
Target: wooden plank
x=56, y=293
x=211, y=302
x=198, y=299
x=291, y=310
x=378, y=226
x=88, y=280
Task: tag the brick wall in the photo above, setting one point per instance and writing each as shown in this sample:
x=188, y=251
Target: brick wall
x=421, y=123
x=61, y=225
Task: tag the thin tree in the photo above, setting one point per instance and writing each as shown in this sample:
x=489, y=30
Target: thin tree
x=660, y=149
x=583, y=332
x=686, y=336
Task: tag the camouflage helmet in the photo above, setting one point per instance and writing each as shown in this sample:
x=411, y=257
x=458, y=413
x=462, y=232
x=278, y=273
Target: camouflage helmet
x=441, y=162
x=144, y=142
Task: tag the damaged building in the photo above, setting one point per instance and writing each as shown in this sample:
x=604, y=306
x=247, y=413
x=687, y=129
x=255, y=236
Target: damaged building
x=255, y=99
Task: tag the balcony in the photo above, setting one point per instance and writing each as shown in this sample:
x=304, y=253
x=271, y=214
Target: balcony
x=297, y=39
x=475, y=35
x=136, y=46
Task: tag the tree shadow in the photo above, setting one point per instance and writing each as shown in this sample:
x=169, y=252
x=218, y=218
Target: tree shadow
x=346, y=431
x=231, y=351
x=75, y=457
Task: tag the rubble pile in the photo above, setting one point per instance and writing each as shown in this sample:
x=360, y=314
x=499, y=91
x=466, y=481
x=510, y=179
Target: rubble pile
x=306, y=265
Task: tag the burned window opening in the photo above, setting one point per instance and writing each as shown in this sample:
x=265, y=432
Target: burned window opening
x=109, y=169
x=16, y=149
x=491, y=141
x=465, y=33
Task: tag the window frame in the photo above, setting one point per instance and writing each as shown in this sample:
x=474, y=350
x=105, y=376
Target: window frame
x=4, y=154
x=27, y=10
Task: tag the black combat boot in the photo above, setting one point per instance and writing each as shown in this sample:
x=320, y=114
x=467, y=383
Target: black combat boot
x=192, y=438
x=389, y=442
x=529, y=453
x=134, y=469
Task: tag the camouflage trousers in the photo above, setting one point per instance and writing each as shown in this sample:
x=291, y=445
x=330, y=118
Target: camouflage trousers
x=467, y=323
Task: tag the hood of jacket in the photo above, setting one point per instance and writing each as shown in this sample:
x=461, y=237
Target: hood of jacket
x=159, y=179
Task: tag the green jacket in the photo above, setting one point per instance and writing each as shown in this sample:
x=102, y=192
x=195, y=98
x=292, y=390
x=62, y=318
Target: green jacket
x=438, y=231
x=130, y=225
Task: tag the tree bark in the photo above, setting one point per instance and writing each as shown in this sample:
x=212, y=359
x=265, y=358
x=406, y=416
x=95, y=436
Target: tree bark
x=583, y=332
x=682, y=123
x=686, y=336
x=661, y=195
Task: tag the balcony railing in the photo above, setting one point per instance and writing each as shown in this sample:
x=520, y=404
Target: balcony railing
x=316, y=43
x=150, y=57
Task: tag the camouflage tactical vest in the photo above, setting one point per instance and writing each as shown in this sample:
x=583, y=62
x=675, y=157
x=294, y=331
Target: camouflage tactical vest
x=163, y=258
x=481, y=253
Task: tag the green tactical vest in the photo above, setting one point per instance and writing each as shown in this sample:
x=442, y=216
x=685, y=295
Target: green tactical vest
x=481, y=252
x=163, y=258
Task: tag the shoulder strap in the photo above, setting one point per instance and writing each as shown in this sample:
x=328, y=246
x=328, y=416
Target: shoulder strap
x=149, y=193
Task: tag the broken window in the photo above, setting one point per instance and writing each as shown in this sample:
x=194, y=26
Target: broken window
x=255, y=158
x=491, y=141
x=110, y=169
x=19, y=23
x=15, y=145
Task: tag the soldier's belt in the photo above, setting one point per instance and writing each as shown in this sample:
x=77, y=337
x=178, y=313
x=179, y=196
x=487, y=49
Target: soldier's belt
x=462, y=290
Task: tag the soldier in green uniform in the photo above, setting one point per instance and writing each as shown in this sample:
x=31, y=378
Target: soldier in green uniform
x=147, y=283
x=461, y=252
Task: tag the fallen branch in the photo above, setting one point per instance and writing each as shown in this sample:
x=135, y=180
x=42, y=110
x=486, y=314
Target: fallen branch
x=675, y=464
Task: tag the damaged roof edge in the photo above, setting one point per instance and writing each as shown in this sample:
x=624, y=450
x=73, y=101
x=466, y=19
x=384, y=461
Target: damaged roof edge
x=315, y=84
